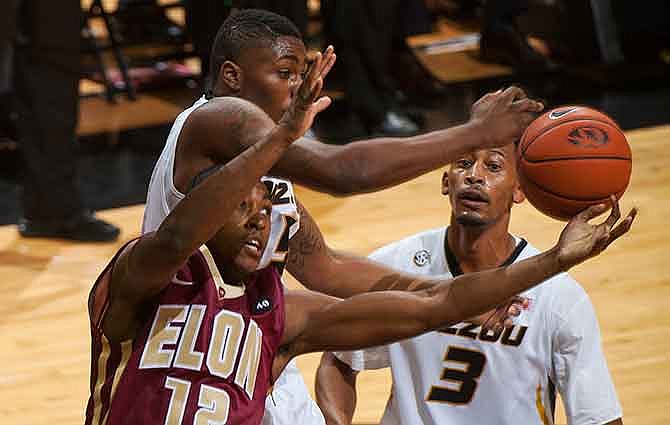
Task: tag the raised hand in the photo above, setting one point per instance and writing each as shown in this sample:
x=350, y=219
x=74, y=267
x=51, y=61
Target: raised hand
x=504, y=115
x=580, y=240
x=306, y=103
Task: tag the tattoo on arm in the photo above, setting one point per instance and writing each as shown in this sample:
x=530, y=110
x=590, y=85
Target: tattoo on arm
x=308, y=241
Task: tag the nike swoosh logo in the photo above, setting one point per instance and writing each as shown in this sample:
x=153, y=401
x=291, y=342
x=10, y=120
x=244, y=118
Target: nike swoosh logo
x=556, y=114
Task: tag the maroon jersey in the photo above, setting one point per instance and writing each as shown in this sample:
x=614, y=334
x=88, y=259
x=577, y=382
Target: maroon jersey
x=203, y=355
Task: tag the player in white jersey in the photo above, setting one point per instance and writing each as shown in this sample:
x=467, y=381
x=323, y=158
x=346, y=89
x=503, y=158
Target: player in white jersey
x=463, y=375
x=259, y=56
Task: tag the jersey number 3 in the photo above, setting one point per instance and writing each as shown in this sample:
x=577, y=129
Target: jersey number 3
x=464, y=379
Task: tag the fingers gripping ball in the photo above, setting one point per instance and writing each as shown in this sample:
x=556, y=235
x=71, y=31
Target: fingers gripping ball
x=573, y=157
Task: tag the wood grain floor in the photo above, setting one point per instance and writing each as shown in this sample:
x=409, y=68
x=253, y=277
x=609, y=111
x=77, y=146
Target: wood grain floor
x=44, y=358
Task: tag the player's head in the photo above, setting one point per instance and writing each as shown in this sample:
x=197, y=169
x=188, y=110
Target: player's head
x=482, y=186
x=240, y=243
x=259, y=56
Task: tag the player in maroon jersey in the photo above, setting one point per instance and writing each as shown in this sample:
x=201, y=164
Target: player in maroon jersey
x=186, y=331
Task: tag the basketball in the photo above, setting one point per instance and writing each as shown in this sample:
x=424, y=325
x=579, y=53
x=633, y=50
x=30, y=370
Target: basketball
x=573, y=157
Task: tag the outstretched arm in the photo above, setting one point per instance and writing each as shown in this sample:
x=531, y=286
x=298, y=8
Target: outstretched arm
x=320, y=323
x=145, y=268
x=336, y=390
x=370, y=165
x=321, y=268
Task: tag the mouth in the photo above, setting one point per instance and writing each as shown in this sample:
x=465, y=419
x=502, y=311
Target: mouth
x=253, y=247
x=473, y=198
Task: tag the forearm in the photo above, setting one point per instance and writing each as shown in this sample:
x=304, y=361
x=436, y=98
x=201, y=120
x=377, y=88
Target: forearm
x=335, y=390
x=375, y=164
x=382, y=317
x=350, y=275
x=475, y=293
x=198, y=217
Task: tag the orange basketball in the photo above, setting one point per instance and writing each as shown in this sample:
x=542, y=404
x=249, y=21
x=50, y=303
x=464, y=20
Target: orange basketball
x=573, y=157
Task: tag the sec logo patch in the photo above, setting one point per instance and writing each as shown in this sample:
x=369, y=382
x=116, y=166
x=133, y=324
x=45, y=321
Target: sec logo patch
x=422, y=258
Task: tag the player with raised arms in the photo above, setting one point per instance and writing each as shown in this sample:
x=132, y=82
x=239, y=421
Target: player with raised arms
x=466, y=375
x=187, y=330
x=260, y=57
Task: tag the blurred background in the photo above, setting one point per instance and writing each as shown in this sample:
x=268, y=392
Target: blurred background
x=141, y=65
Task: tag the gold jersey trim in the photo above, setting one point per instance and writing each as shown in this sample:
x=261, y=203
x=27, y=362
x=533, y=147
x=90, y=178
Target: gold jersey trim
x=230, y=291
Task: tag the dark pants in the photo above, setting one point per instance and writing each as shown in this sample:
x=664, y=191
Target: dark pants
x=499, y=13
x=362, y=32
x=45, y=88
x=203, y=20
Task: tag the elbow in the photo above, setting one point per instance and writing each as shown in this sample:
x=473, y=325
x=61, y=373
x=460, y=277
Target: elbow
x=172, y=241
x=344, y=183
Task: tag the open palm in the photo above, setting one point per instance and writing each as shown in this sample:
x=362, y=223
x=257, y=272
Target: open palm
x=580, y=240
x=306, y=103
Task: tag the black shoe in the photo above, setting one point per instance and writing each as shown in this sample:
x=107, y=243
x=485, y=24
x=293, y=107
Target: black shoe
x=396, y=124
x=508, y=46
x=83, y=228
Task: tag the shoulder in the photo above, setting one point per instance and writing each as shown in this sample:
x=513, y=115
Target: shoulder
x=227, y=117
x=232, y=107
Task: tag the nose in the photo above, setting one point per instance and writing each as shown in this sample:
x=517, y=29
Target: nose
x=259, y=221
x=474, y=175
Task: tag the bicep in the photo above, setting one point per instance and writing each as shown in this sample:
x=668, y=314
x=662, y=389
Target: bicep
x=134, y=278
x=324, y=323
x=144, y=268
x=309, y=259
x=323, y=269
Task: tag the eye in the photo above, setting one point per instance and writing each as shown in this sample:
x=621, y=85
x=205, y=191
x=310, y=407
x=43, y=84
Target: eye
x=284, y=74
x=243, y=205
x=493, y=166
x=464, y=163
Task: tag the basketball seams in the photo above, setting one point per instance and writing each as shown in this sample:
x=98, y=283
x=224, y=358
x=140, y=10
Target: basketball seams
x=575, y=158
x=558, y=124
x=558, y=195
x=541, y=187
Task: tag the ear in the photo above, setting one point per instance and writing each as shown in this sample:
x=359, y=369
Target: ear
x=230, y=74
x=445, y=183
x=518, y=195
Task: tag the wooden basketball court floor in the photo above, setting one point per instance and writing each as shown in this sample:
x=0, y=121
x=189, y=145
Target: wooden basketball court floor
x=44, y=359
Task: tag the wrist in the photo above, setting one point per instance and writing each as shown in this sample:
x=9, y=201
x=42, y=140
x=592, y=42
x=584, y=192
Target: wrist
x=479, y=134
x=284, y=133
x=558, y=263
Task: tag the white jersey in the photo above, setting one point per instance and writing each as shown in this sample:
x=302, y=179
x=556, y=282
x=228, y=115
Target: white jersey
x=290, y=398
x=461, y=375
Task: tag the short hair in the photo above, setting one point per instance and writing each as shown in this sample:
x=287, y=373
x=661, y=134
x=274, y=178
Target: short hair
x=244, y=29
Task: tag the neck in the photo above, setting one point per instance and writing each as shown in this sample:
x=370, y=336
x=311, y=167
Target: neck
x=220, y=90
x=233, y=277
x=483, y=247
x=230, y=274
